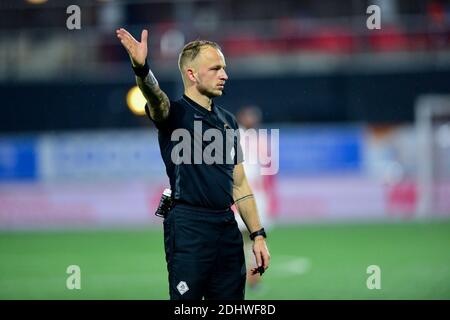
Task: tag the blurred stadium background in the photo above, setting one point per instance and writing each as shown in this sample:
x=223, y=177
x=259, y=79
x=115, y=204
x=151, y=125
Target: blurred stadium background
x=364, y=119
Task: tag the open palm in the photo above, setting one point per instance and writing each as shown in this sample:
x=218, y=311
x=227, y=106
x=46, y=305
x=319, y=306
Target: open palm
x=137, y=50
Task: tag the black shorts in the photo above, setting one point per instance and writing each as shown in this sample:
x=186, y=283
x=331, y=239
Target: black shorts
x=204, y=254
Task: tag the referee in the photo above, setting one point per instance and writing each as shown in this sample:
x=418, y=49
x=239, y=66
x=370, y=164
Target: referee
x=203, y=245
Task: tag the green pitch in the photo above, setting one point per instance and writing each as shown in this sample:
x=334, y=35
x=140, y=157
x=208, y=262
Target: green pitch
x=308, y=262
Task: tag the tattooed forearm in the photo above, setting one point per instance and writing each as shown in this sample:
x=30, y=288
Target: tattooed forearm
x=158, y=101
x=150, y=80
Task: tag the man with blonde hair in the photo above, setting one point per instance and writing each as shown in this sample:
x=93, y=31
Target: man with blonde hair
x=202, y=241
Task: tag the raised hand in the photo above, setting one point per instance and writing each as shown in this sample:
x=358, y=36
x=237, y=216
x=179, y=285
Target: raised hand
x=137, y=50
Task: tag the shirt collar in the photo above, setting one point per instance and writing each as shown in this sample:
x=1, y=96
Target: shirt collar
x=199, y=107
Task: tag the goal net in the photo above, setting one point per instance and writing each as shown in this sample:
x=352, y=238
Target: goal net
x=433, y=155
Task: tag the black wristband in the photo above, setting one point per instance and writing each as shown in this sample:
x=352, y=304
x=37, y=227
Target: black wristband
x=142, y=71
x=260, y=232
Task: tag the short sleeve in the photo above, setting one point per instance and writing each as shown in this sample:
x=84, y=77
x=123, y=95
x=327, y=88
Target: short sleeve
x=164, y=125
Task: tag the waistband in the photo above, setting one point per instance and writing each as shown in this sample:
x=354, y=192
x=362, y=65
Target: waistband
x=186, y=206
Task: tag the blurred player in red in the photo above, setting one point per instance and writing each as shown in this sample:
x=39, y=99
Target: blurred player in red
x=250, y=117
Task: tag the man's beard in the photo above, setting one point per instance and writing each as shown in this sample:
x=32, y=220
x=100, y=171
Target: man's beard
x=210, y=93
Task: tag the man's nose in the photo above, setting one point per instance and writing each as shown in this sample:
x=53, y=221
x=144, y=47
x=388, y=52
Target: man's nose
x=224, y=75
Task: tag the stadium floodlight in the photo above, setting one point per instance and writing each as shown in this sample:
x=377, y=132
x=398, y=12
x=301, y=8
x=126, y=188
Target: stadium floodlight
x=36, y=1
x=433, y=155
x=136, y=101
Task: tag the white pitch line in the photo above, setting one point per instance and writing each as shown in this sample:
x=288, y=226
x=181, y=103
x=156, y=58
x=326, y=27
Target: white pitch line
x=285, y=266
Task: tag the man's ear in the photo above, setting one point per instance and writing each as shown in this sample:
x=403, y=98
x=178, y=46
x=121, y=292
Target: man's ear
x=191, y=75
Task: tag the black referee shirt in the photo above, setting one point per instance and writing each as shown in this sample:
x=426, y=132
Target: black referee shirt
x=202, y=185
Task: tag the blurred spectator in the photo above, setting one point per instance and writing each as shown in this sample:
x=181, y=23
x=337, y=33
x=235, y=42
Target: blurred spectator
x=436, y=17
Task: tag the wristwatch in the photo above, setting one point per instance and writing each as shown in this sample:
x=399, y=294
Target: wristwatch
x=260, y=232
